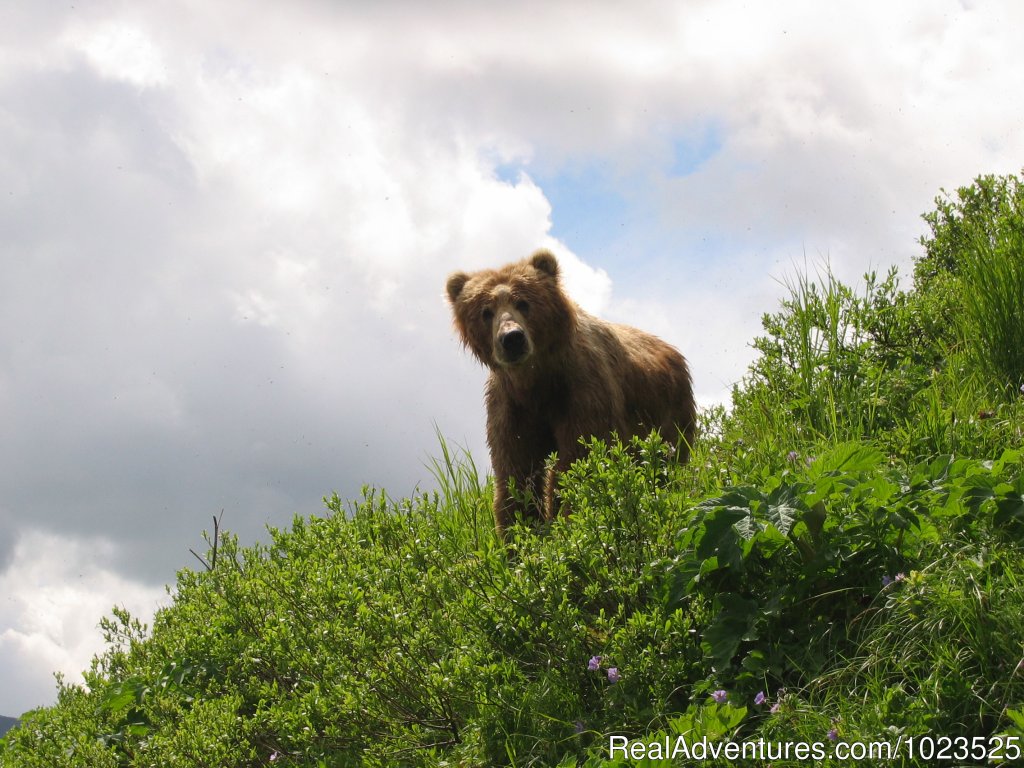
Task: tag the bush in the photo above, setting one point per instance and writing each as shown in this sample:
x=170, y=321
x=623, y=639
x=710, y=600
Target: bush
x=972, y=275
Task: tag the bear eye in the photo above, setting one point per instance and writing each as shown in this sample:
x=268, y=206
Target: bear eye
x=523, y=306
x=487, y=314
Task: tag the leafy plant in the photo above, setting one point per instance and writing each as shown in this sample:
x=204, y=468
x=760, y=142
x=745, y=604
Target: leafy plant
x=972, y=274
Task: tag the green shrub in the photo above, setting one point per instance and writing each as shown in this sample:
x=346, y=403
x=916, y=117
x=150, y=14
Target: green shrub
x=834, y=365
x=993, y=324
x=972, y=276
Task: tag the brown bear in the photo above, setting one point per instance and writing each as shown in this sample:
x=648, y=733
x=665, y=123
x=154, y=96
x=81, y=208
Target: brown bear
x=558, y=374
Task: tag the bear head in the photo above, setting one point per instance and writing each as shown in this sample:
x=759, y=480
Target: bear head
x=512, y=315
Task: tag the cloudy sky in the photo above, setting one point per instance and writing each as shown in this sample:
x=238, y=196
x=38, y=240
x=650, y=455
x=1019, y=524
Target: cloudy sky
x=225, y=230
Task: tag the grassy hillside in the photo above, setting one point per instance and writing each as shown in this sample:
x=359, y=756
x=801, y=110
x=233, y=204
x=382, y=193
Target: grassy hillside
x=840, y=567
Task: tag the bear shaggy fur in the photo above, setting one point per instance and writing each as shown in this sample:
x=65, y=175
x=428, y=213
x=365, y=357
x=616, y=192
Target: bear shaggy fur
x=558, y=374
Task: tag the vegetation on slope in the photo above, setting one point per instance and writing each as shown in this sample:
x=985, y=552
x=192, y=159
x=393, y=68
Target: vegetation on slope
x=840, y=563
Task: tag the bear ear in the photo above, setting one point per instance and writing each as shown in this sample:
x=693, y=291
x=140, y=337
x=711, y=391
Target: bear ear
x=456, y=283
x=545, y=262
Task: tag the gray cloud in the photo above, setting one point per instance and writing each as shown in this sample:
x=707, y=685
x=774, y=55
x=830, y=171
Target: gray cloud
x=8, y=540
x=151, y=378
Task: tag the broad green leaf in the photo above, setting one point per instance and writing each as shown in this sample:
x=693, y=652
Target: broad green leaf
x=732, y=624
x=846, y=458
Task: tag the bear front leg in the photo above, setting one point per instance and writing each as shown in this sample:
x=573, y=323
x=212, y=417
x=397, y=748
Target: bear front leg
x=520, y=441
x=570, y=448
x=552, y=503
x=504, y=505
x=526, y=499
x=519, y=461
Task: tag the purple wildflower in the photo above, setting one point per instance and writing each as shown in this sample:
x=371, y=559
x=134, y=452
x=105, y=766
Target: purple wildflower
x=776, y=707
x=719, y=696
x=594, y=664
x=760, y=698
x=613, y=675
x=833, y=735
x=793, y=457
x=580, y=727
x=886, y=581
x=900, y=576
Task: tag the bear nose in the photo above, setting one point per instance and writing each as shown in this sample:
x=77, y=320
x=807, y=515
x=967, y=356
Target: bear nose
x=513, y=342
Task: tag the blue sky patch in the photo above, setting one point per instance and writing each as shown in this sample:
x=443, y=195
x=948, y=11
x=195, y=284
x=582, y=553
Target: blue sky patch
x=590, y=208
x=598, y=210
x=691, y=151
x=508, y=173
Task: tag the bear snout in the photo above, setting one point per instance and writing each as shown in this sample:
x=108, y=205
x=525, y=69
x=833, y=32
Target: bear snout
x=513, y=343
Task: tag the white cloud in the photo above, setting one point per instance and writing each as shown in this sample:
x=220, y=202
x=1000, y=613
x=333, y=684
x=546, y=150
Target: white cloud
x=55, y=592
x=121, y=52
